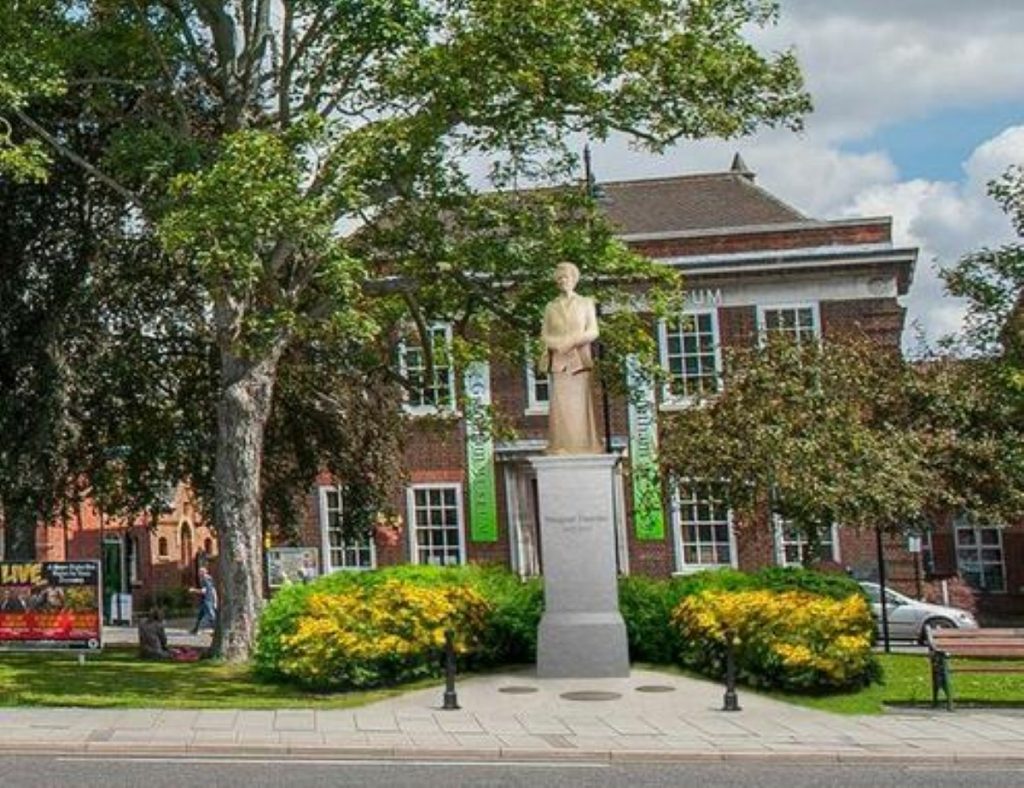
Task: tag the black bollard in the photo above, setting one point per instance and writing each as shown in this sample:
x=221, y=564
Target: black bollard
x=451, y=700
x=730, y=701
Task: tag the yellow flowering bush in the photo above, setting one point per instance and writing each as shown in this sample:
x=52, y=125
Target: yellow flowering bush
x=791, y=640
x=373, y=635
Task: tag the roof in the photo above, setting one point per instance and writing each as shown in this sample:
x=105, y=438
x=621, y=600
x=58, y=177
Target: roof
x=694, y=202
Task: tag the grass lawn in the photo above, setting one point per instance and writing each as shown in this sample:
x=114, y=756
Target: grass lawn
x=907, y=680
x=116, y=677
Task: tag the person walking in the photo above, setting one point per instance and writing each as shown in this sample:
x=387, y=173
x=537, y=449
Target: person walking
x=207, y=592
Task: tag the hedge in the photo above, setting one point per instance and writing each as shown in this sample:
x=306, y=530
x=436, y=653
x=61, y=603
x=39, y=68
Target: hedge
x=503, y=631
x=791, y=640
x=326, y=634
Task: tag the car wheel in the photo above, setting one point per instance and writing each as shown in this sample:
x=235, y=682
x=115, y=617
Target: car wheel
x=934, y=623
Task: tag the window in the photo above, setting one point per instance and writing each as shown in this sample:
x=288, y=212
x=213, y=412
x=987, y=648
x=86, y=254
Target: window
x=800, y=323
x=703, y=528
x=792, y=544
x=131, y=548
x=979, y=555
x=341, y=552
x=690, y=355
x=538, y=391
x=435, y=512
x=927, y=552
x=438, y=392
x=161, y=547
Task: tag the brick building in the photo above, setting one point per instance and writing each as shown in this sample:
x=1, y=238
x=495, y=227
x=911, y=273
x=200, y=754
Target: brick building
x=152, y=558
x=752, y=264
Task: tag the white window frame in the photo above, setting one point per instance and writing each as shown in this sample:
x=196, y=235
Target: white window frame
x=762, y=323
x=682, y=567
x=449, y=370
x=668, y=399
x=325, y=539
x=962, y=523
x=779, y=526
x=410, y=518
x=534, y=405
x=927, y=554
x=133, y=560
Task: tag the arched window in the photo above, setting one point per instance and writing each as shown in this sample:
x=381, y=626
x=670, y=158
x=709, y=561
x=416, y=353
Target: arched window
x=208, y=546
x=161, y=547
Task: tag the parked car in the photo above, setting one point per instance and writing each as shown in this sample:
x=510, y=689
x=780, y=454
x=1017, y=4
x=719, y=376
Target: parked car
x=908, y=618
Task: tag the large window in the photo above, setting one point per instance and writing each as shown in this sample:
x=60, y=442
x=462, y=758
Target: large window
x=799, y=323
x=341, y=552
x=979, y=555
x=703, y=528
x=690, y=355
x=792, y=544
x=435, y=514
x=429, y=392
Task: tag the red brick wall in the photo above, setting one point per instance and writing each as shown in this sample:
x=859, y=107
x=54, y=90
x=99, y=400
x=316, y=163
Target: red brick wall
x=768, y=240
x=86, y=528
x=737, y=326
x=755, y=543
x=881, y=319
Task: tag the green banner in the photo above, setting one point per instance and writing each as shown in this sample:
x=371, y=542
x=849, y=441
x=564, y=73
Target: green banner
x=483, y=503
x=648, y=508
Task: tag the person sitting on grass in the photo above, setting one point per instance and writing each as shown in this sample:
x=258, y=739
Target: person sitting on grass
x=153, y=637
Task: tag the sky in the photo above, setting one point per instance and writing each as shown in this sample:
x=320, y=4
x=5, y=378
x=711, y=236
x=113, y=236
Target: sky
x=918, y=105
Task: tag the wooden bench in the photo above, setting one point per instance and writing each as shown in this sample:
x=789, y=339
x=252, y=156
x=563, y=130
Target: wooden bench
x=983, y=644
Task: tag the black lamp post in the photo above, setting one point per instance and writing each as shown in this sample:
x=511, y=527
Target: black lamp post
x=451, y=700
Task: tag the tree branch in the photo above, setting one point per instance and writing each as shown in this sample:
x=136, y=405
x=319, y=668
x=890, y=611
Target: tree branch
x=73, y=157
x=198, y=56
x=184, y=125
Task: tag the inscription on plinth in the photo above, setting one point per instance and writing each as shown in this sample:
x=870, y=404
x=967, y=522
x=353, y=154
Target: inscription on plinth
x=581, y=634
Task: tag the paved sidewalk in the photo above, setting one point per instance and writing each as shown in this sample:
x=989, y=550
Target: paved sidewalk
x=649, y=716
x=178, y=634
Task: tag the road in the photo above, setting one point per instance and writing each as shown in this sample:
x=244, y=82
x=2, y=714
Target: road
x=39, y=771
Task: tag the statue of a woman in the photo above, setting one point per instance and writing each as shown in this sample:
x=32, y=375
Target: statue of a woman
x=570, y=325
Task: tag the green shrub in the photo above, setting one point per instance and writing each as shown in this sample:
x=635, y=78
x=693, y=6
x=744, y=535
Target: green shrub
x=508, y=635
x=834, y=585
x=791, y=640
x=377, y=634
x=711, y=580
x=646, y=605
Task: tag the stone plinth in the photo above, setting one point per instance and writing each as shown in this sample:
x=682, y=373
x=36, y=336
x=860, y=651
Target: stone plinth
x=581, y=634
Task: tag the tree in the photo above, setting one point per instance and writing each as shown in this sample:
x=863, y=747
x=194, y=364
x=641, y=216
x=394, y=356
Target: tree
x=992, y=281
x=977, y=379
x=271, y=127
x=818, y=434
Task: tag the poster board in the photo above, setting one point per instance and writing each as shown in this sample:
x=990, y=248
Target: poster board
x=286, y=565
x=50, y=605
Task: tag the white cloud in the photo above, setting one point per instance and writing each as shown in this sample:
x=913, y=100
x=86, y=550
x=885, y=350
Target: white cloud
x=873, y=63
x=870, y=64
x=946, y=220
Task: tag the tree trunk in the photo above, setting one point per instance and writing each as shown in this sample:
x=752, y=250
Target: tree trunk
x=246, y=389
